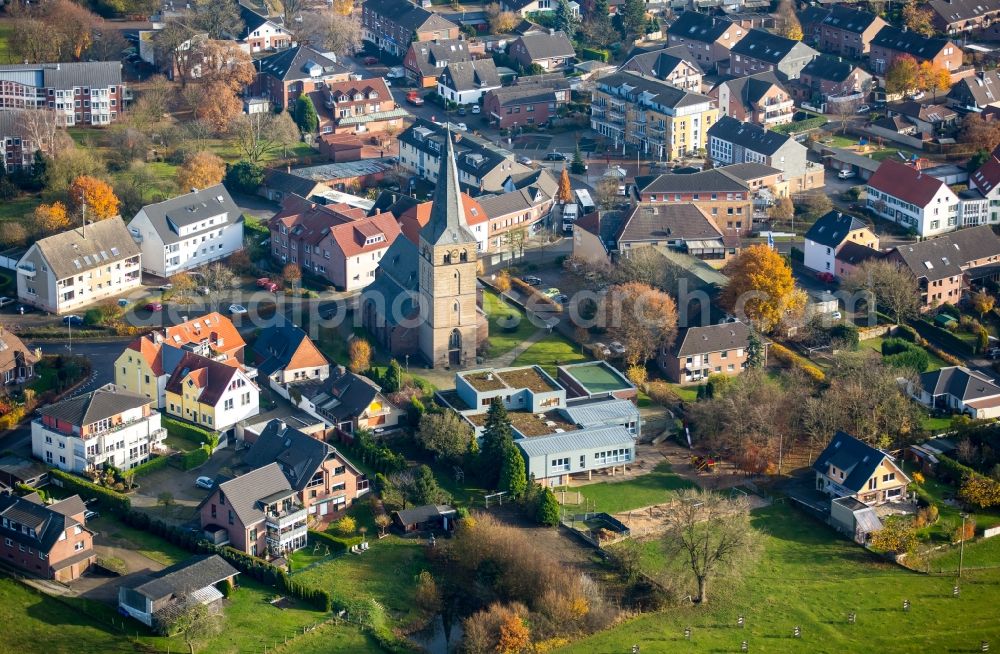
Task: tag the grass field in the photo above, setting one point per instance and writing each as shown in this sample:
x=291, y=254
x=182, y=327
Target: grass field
x=498, y=313
x=6, y=33
x=18, y=208
x=809, y=577
x=551, y=351
x=644, y=490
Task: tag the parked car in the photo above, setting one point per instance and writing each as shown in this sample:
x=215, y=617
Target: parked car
x=75, y=321
x=562, y=298
x=90, y=515
x=836, y=315
x=370, y=61
x=462, y=111
x=600, y=349
x=204, y=290
x=993, y=353
x=555, y=156
x=825, y=277
x=845, y=174
x=476, y=110
x=25, y=308
x=154, y=307
x=204, y=482
x=616, y=348
x=166, y=287
x=462, y=127
x=863, y=109
x=413, y=97
x=531, y=280
x=268, y=285
x=237, y=309
x=522, y=159
x=551, y=292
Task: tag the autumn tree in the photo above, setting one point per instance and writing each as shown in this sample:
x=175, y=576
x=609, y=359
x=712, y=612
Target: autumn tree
x=332, y=31
x=382, y=521
x=343, y=7
x=919, y=19
x=980, y=491
x=816, y=205
x=896, y=536
x=782, y=210
x=891, y=286
x=933, y=78
x=514, y=635
x=983, y=302
x=219, y=18
x=642, y=318
x=606, y=192
x=225, y=71
x=359, y=355
x=565, y=192
x=51, y=218
x=184, y=286
x=427, y=595
x=201, y=171
x=219, y=278
x=292, y=274
x=761, y=287
x=791, y=28
x=711, y=535
x=96, y=194
x=982, y=131
x=502, y=281
x=72, y=25
x=13, y=234
x=173, y=43
x=500, y=21
x=194, y=622
x=902, y=75
x=45, y=128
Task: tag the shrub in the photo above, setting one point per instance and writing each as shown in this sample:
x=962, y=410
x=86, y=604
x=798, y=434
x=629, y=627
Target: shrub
x=25, y=489
x=980, y=491
x=346, y=526
x=790, y=359
x=106, y=498
x=336, y=543
x=595, y=54
x=906, y=332
x=914, y=358
x=943, y=337
x=847, y=333
x=194, y=458
x=154, y=463
x=895, y=346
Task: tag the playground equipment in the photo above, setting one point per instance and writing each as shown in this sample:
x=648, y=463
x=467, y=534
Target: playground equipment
x=705, y=463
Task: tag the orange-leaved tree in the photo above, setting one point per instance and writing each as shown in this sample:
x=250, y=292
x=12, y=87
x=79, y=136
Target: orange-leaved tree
x=761, y=286
x=201, y=170
x=642, y=318
x=565, y=192
x=359, y=354
x=51, y=218
x=96, y=194
x=514, y=635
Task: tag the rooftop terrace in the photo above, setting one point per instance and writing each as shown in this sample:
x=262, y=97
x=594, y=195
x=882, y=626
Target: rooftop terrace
x=531, y=425
x=528, y=377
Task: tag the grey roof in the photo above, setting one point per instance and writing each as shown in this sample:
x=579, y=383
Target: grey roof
x=856, y=458
x=713, y=180
x=169, y=216
x=251, y=20
x=600, y=412
x=826, y=67
x=921, y=47
x=960, y=382
x=105, y=402
x=765, y=46
x=419, y=514
x=953, y=11
x=983, y=88
x=298, y=63
x=547, y=46
x=571, y=441
x=646, y=90
x=69, y=507
x=276, y=345
x=48, y=524
x=749, y=170
x=69, y=253
x=344, y=394
x=831, y=230
x=699, y=27
x=396, y=276
x=711, y=338
x=286, y=182
x=97, y=74
x=849, y=19
x=298, y=454
x=447, y=221
x=523, y=94
x=473, y=156
x=668, y=222
x=750, y=136
x=660, y=63
x=752, y=88
x=504, y=203
x=243, y=493
x=948, y=254
x=186, y=577
x=855, y=253
x=408, y=15
x=470, y=75
x=429, y=54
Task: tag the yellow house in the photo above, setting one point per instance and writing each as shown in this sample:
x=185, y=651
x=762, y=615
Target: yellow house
x=210, y=393
x=139, y=370
x=661, y=120
x=851, y=468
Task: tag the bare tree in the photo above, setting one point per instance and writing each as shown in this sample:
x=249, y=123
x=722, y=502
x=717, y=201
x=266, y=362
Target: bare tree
x=260, y=134
x=893, y=287
x=332, y=31
x=107, y=42
x=44, y=128
x=711, y=534
x=845, y=110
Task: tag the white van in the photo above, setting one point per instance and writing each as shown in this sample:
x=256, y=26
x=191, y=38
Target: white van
x=586, y=203
x=569, y=215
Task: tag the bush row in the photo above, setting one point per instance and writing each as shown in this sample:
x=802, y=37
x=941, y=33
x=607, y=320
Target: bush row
x=801, y=125
x=25, y=489
x=106, y=498
x=154, y=463
x=194, y=458
x=910, y=334
x=789, y=358
x=376, y=454
x=187, y=431
x=594, y=54
x=336, y=543
x=532, y=293
x=952, y=471
x=943, y=337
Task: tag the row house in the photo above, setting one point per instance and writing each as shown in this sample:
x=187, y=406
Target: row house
x=522, y=210
x=708, y=39
x=50, y=541
x=357, y=107
x=82, y=93
x=977, y=92
x=74, y=269
x=848, y=32
x=892, y=42
x=829, y=235
x=673, y=64
x=758, y=98
x=826, y=78
x=426, y=60
x=724, y=197
x=392, y=25
x=213, y=394
x=963, y=16
x=284, y=76
x=660, y=120
x=524, y=104
x=761, y=51
x=106, y=427
x=913, y=199
x=733, y=142
x=465, y=82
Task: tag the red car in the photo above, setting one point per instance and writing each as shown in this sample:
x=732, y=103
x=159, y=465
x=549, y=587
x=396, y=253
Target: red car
x=154, y=307
x=370, y=61
x=266, y=284
x=825, y=277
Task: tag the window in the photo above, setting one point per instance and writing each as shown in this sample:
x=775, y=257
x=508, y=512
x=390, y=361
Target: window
x=889, y=477
x=560, y=464
x=79, y=546
x=231, y=519
x=872, y=483
x=8, y=542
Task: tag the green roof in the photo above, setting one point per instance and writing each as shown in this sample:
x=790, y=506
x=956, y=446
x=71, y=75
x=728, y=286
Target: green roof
x=598, y=377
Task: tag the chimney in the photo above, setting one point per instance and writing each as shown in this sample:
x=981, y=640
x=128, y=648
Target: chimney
x=282, y=426
x=981, y=74
x=288, y=168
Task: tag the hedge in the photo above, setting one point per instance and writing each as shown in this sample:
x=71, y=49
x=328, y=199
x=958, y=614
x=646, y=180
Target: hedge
x=800, y=126
x=25, y=489
x=181, y=429
x=789, y=358
x=337, y=543
x=914, y=358
x=194, y=458
x=952, y=471
x=595, y=54
x=533, y=293
x=154, y=463
x=106, y=497
x=944, y=337
x=906, y=332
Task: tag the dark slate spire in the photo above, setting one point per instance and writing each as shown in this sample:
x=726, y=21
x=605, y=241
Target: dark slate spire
x=447, y=223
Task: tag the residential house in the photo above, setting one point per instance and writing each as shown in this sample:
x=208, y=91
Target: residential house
x=730, y=141
x=708, y=39
x=188, y=231
x=17, y=362
x=959, y=390
x=891, y=42
x=912, y=198
x=811, y=19
x=758, y=98
x=148, y=362
x=392, y=25
x=673, y=65
x=170, y=58
x=258, y=513
x=48, y=541
x=81, y=93
x=851, y=255
x=522, y=210
x=279, y=184
x=851, y=468
x=213, y=394
x=325, y=481
x=74, y=269
x=107, y=426
x=17, y=151
x=963, y=16
x=765, y=182
x=829, y=234
x=482, y=166
x=465, y=82
x=426, y=60
x=727, y=200
x=285, y=354
x=683, y=227
x=552, y=51
x=262, y=34
x=761, y=51
x=986, y=181
x=349, y=402
x=284, y=76
x=931, y=119
x=530, y=104
x=157, y=600
x=826, y=78
x=848, y=31
x=698, y=352
x=660, y=120
x=977, y=91
x=357, y=107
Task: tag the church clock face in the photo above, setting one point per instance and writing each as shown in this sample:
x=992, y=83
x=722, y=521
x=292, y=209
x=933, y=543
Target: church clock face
x=454, y=255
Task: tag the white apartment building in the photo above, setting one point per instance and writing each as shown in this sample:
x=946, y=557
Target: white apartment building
x=913, y=199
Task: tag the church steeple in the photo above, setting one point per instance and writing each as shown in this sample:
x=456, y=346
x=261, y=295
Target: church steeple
x=447, y=224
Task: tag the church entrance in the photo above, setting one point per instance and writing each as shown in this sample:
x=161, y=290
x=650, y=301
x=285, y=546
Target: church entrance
x=455, y=348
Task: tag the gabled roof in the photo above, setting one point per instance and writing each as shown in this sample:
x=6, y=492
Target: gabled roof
x=344, y=395
x=429, y=54
x=13, y=351
x=368, y=234
x=547, y=46
x=106, y=402
x=752, y=88
x=285, y=347
x=905, y=182
x=48, y=524
x=71, y=253
x=181, y=579
x=252, y=20
x=954, y=11
x=960, y=382
x=408, y=15
x=638, y=88
x=857, y=459
x=299, y=63
x=170, y=216
x=987, y=176
x=699, y=27
x=750, y=136
x=826, y=67
x=210, y=378
x=668, y=222
x=849, y=19
x=470, y=75
x=365, y=87
x=473, y=156
x=928, y=113
x=772, y=48
x=287, y=183
x=217, y=328
x=855, y=253
x=713, y=180
x=243, y=494
x=944, y=256
x=831, y=230
x=910, y=42
x=983, y=87
x=711, y=338
x=660, y=63
x=298, y=455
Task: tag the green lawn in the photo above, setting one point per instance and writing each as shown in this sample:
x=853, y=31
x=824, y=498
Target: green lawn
x=153, y=547
x=18, y=208
x=500, y=314
x=182, y=436
x=936, y=425
x=935, y=361
x=551, y=351
x=688, y=393
x=6, y=33
x=978, y=554
x=644, y=490
x=331, y=639
x=807, y=576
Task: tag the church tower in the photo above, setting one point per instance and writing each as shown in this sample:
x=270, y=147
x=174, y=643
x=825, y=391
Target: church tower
x=447, y=273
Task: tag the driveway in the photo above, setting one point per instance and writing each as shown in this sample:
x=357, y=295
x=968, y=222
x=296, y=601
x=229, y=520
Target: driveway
x=180, y=483
x=103, y=587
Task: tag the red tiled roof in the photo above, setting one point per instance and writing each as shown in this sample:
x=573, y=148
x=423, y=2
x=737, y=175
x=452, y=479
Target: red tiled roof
x=213, y=326
x=906, y=183
x=351, y=237
x=988, y=174
x=212, y=377
x=149, y=351
x=413, y=219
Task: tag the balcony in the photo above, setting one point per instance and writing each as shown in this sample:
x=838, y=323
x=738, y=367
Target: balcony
x=285, y=519
x=26, y=269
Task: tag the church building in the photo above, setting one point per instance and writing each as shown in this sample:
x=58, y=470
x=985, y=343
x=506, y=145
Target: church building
x=424, y=301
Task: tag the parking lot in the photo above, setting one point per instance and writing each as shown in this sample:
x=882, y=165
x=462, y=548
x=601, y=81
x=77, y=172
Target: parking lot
x=180, y=483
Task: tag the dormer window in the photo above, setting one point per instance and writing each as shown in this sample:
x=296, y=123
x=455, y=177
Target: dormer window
x=373, y=95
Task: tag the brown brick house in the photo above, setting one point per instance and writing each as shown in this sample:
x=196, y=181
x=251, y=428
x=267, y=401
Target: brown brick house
x=531, y=104
x=760, y=98
x=722, y=197
x=827, y=76
x=392, y=25
x=957, y=16
x=48, y=541
x=848, y=32
x=285, y=75
x=81, y=93
x=761, y=51
x=357, y=107
x=426, y=60
x=891, y=42
x=708, y=39
x=698, y=352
